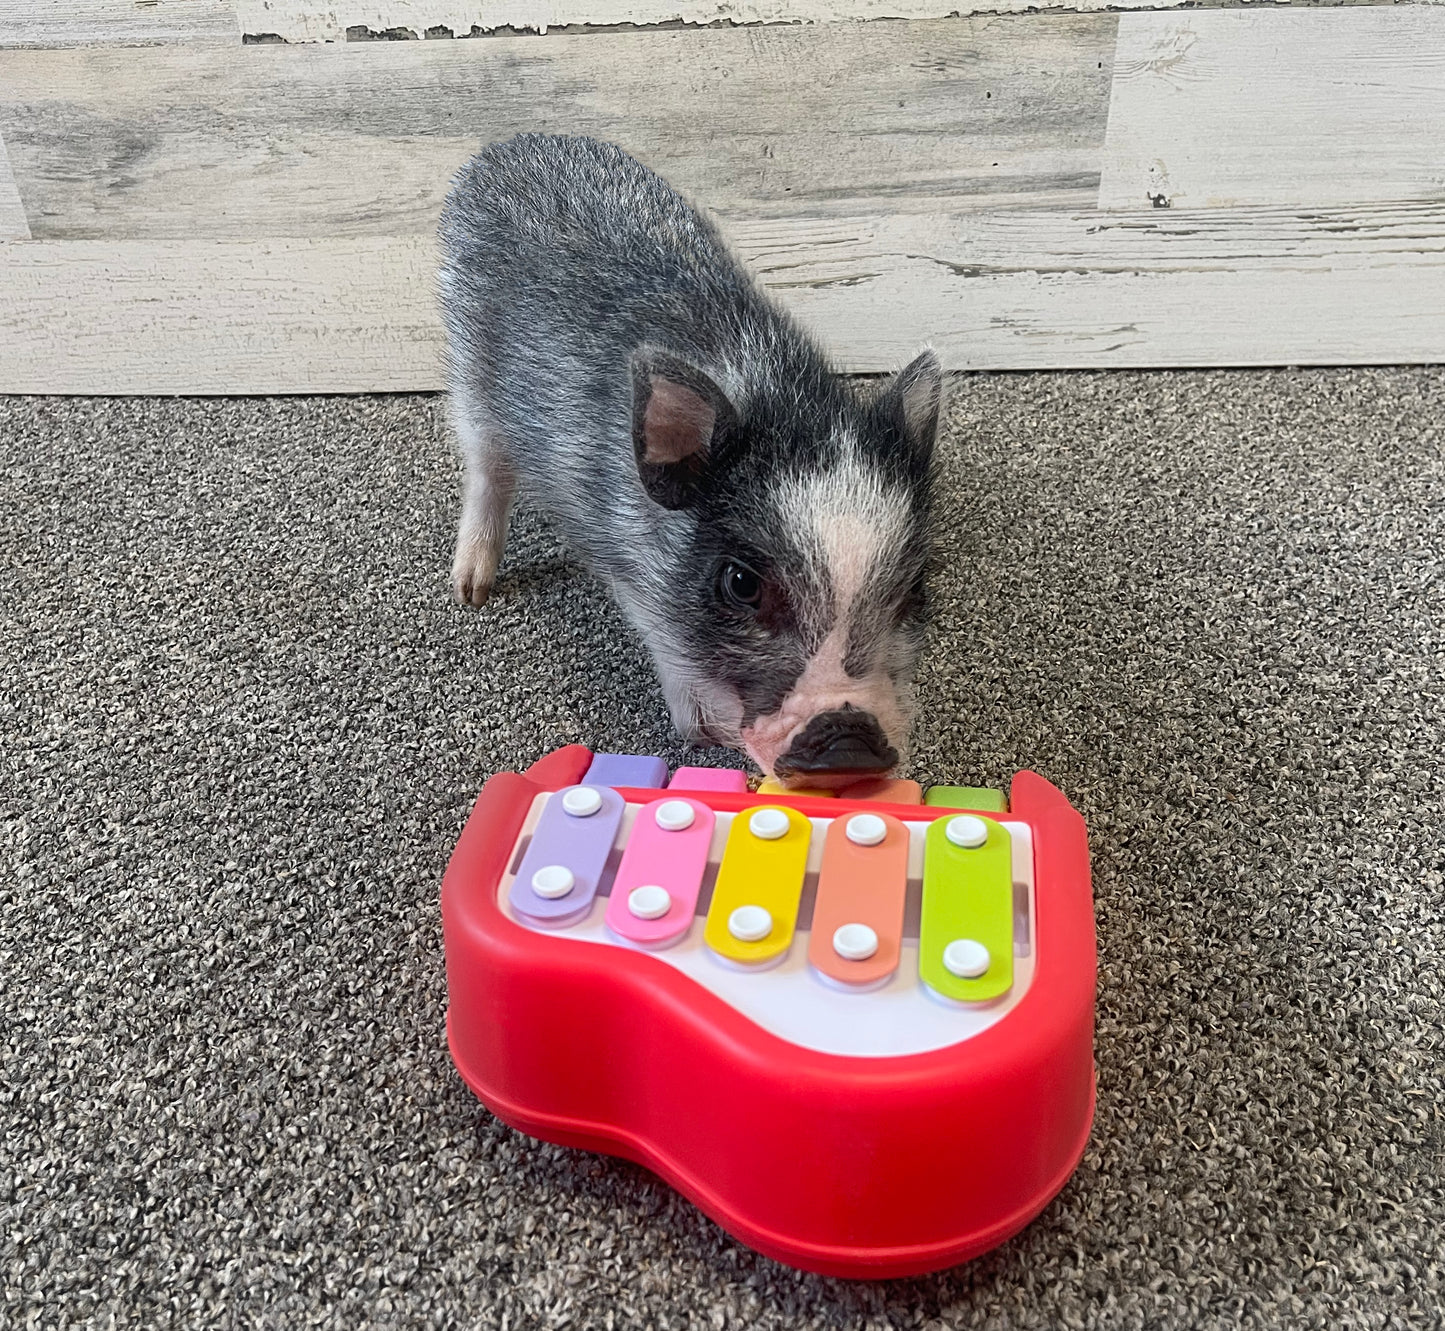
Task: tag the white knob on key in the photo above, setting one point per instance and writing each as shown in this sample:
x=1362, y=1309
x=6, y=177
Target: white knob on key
x=769, y=824
x=966, y=958
x=553, y=881
x=582, y=801
x=855, y=942
x=675, y=816
x=967, y=831
x=866, y=829
x=749, y=924
x=650, y=902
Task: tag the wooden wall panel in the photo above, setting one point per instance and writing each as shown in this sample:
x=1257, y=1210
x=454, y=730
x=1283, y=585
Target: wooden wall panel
x=330, y=20
x=1220, y=108
x=52, y=23
x=259, y=218
x=991, y=291
x=13, y=225
x=1046, y=290
x=363, y=139
x=350, y=315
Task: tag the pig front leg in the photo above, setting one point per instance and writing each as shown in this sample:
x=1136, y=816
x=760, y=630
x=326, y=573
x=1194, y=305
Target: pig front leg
x=488, y=486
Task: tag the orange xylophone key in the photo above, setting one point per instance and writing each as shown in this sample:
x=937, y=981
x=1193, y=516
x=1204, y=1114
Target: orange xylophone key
x=857, y=929
x=884, y=790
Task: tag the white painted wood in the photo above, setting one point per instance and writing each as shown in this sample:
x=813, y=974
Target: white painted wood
x=260, y=316
x=1221, y=108
x=990, y=291
x=51, y=23
x=320, y=21
x=13, y=225
x=1039, y=291
x=363, y=139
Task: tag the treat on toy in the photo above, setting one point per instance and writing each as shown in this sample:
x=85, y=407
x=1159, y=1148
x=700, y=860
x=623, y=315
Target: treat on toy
x=856, y=1030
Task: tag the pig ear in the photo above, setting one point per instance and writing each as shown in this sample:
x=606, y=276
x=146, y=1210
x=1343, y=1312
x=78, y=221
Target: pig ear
x=680, y=418
x=913, y=401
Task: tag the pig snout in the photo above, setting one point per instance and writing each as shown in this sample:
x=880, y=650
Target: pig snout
x=826, y=743
x=846, y=743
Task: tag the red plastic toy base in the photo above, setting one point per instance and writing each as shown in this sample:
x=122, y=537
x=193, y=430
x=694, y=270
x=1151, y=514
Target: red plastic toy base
x=847, y=1166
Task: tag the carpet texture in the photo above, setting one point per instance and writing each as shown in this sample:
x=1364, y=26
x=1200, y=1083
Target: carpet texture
x=242, y=726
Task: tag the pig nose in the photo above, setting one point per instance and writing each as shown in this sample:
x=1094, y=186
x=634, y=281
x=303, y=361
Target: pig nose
x=846, y=740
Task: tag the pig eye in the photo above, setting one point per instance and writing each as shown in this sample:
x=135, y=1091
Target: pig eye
x=739, y=586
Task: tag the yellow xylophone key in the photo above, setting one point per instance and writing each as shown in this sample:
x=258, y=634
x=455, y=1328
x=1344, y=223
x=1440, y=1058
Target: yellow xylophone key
x=754, y=905
x=770, y=785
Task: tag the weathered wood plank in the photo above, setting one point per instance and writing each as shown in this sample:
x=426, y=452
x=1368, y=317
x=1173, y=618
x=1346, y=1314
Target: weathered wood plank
x=330, y=20
x=1044, y=291
x=362, y=139
x=1223, y=108
x=13, y=225
x=261, y=316
x=990, y=291
x=53, y=23
x=333, y=20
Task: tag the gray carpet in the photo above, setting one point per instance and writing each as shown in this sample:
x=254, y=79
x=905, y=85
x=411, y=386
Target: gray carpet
x=242, y=726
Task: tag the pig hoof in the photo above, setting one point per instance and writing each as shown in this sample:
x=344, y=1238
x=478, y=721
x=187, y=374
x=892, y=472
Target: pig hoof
x=472, y=579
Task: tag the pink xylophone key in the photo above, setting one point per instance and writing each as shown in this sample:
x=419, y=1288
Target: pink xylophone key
x=709, y=778
x=655, y=892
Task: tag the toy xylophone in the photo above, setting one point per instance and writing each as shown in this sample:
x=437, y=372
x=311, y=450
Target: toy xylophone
x=856, y=1030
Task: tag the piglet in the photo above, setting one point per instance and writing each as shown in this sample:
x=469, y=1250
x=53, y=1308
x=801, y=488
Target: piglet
x=763, y=523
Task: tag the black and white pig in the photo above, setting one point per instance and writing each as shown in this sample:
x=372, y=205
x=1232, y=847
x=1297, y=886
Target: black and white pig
x=763, y=524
